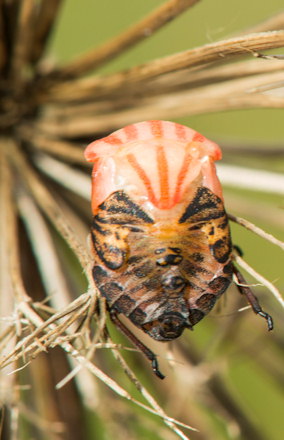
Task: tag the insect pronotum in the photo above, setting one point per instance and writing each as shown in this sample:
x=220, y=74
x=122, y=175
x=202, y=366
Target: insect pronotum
x=160, y=234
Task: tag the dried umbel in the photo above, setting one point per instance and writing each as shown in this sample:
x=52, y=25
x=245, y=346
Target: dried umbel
x=160, y=235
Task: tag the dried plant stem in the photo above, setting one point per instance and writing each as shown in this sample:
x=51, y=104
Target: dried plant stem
x=48, y=10
x=47, y=203
x=115, y=387
x=111, y=49
x=62, y=149
x=74, y=180
x=149, y=398
x=12, y=242
x=47, y=259
x=275, y=292
x=170, y=82
x=226, y=49
x=23, y=40
x=252, y=227
x=229, y=95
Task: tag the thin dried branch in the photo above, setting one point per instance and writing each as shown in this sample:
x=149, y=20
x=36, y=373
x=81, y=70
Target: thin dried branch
x=275, y=292
x=257, y=180
x=3, y=49
x=67, y=151
x=48, y=10
x=22, y=45
x=234, y=94
x=74, y=180
x=44, y=251
x=47, y=203
x=222, y=50
x=12, y=235
x=149, y=398
x=168, y=83
x=252, y=227
x=116, y=388
x=133, y=35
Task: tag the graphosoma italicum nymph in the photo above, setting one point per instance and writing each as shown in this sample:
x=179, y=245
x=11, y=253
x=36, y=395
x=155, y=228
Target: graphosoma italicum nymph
x=160, y=234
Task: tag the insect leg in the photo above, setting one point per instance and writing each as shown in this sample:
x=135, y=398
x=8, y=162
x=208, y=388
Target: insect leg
x=135, y=341
x=251, y=298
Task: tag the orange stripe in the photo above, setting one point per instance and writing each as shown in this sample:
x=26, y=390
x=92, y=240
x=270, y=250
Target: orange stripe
x=143, y=176
x=131, y=132
x=163, y=171
x=180, y=132
x=181, y=176
x=198, y=138
x=112, y=140
x=156, y=128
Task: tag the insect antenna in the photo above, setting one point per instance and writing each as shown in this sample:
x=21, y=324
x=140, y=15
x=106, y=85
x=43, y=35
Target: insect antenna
x=135, y=341
x=244, y=289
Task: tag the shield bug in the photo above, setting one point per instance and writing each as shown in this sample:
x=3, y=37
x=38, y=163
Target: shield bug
x=160, y=234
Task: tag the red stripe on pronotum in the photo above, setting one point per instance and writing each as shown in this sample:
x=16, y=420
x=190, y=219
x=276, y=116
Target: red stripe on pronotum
x=131, y=132
x=113, y=140
x=181, y=176
x=198, y=137
x=156, y=128
x=163, y=170
x=180, y=132
x=143, y=176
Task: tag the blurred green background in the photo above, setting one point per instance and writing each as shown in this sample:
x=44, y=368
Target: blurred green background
x=83, y=25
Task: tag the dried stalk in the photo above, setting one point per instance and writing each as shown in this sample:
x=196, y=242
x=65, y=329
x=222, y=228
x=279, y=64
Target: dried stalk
x=47, y=203
x=217, y=97
x=275, y=292
x=47, y=260
x=23, y=40
x=168, y=83
x=73, y=180
x=48, y=10
x=136, y=33
x=253, y=228
x=225, y=50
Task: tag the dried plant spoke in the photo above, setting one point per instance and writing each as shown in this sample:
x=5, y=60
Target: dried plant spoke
x=12, y=242
x=275, y=292
x=48, y=10
x=113, y=48
x=62, y=149
x=252, y=227
x=232, y=94
x=243, y=45
x=44, y=251
x=47, y=203
x=168, y=83
x=116, y=388
x=73, y=180
x=169, y=421
x=22, y=45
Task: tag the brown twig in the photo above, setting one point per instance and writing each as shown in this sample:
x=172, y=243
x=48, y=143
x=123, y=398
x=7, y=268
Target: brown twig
x=275, y=292
x=225, y=50
x=217, y=97
x=48, y=10
x=133, y=35
x=167, y=83
x=22, y=45
x=251, y=227
x=47, y=203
